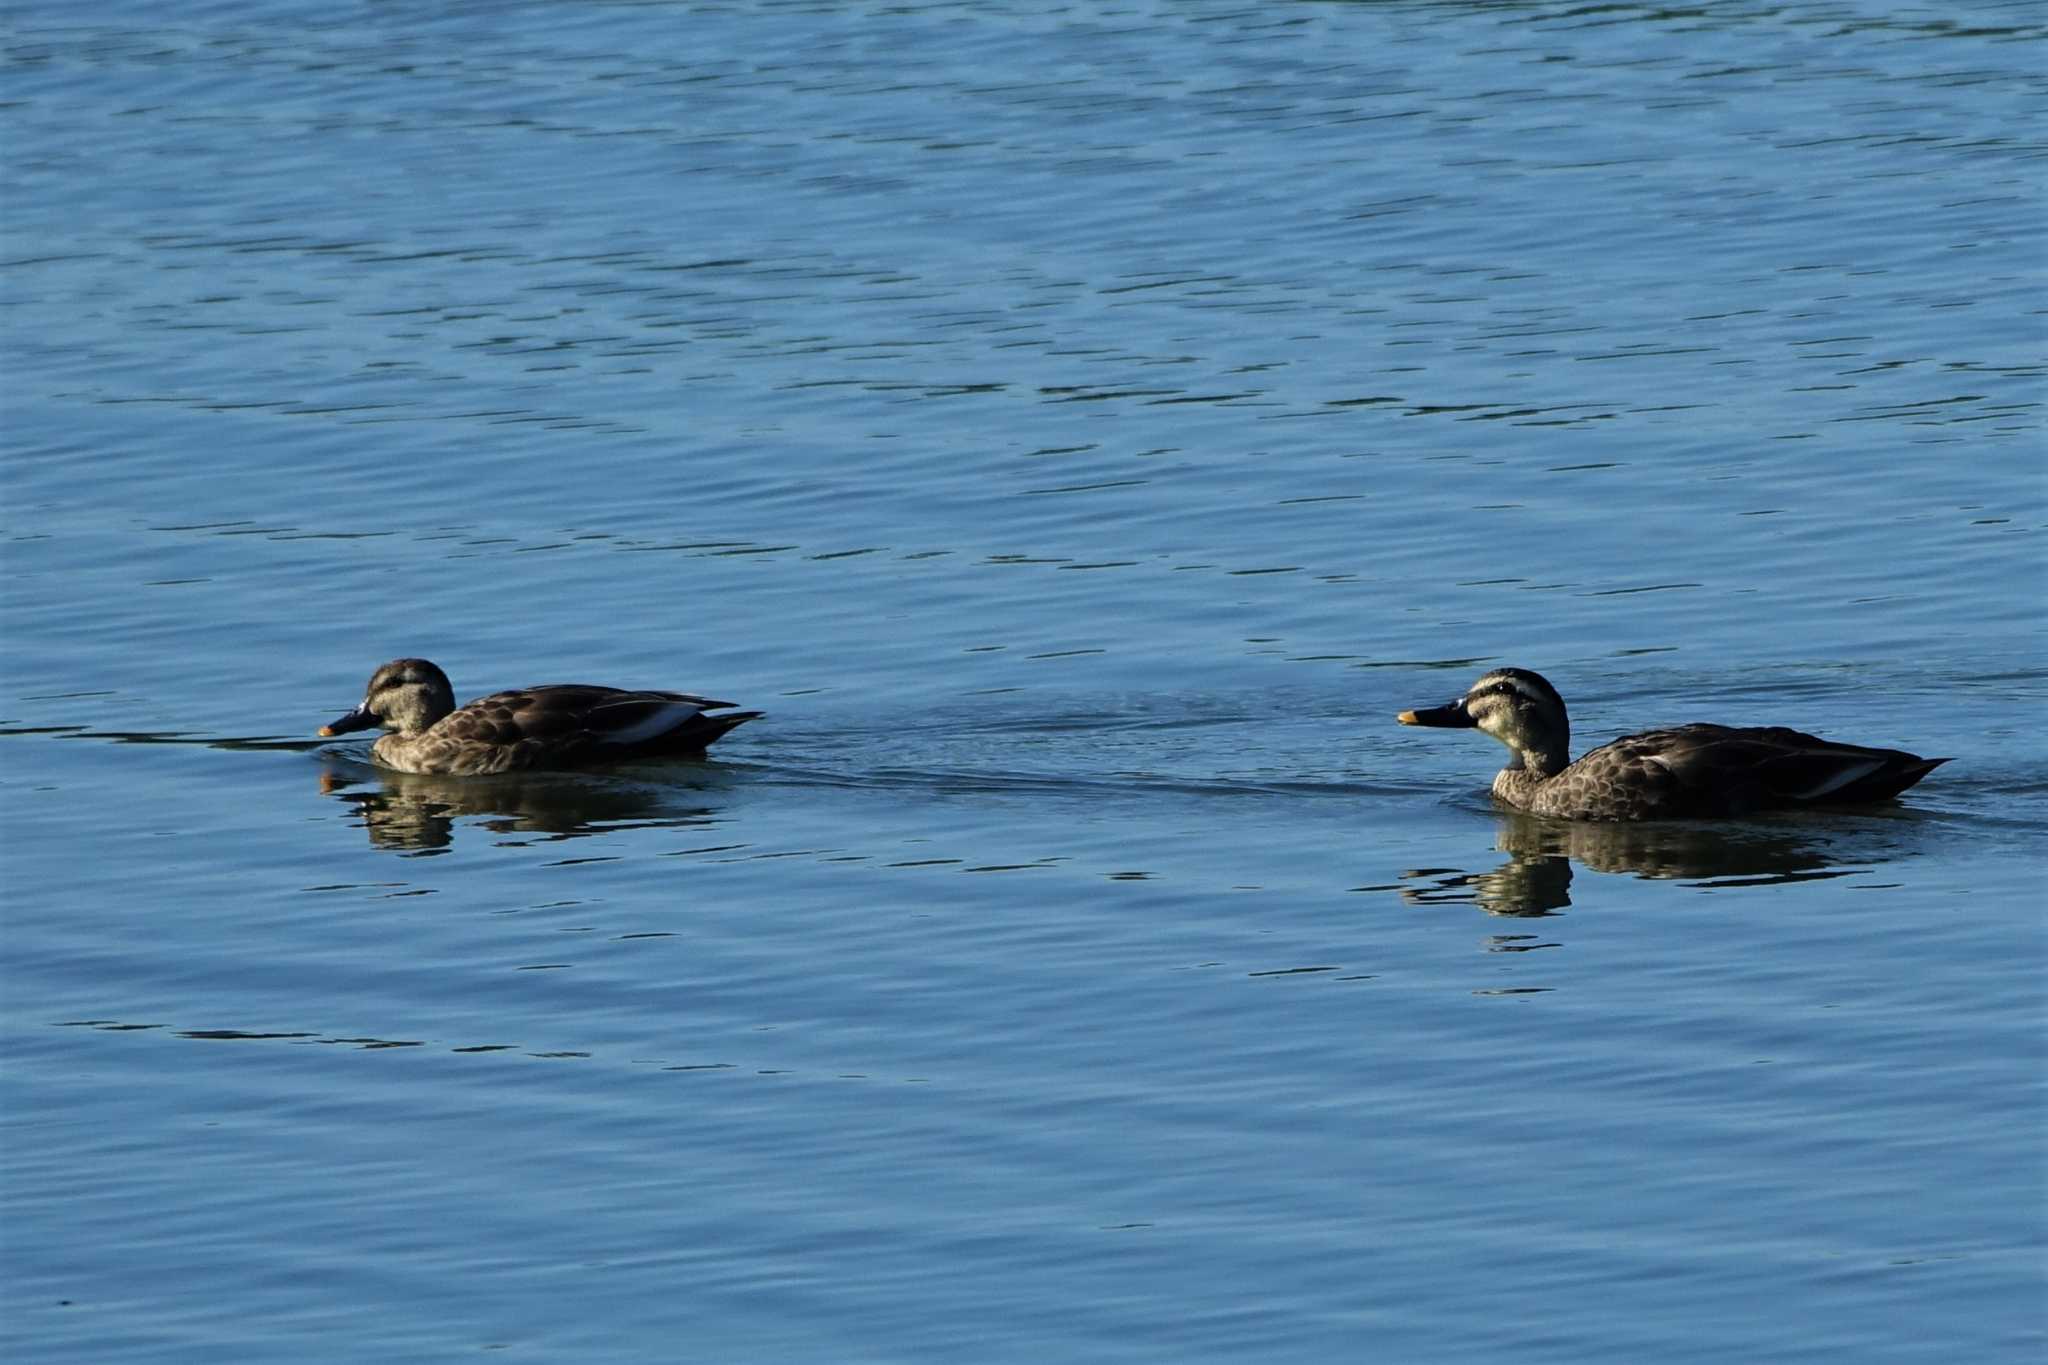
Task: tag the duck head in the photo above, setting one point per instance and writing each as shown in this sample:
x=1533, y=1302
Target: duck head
x=406, y=695
x=1516, y=707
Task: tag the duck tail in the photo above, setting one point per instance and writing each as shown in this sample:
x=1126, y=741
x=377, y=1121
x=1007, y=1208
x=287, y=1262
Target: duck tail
x=705, y=728
x=1888, y=780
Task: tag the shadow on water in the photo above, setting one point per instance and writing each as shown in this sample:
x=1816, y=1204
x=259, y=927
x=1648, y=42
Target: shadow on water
x=416, y=813
x=1536, y=879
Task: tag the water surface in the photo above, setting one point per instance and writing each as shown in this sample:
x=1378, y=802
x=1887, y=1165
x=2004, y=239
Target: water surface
x=1080, y=432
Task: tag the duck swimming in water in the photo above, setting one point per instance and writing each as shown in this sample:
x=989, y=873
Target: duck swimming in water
x=560, y=725
x=1685, y=772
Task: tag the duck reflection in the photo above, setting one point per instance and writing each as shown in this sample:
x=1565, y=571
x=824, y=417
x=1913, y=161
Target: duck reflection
x=418, y=813
x=1536, y=879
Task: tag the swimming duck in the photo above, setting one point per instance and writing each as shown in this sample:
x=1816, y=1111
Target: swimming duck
x=1680, y=773
x=560, y=725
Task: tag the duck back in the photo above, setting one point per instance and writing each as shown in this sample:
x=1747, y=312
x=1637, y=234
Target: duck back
x=1704, y=770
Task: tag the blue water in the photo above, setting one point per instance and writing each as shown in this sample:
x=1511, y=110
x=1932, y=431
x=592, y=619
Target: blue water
x=1080, y=430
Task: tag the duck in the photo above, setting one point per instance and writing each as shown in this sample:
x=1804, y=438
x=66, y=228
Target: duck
x=1696, y=771
x=556, y=725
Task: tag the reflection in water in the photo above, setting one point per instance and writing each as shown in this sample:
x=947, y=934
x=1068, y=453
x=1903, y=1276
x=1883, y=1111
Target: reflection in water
x=1536, y=879
x=1520, y=886
x=418, y=813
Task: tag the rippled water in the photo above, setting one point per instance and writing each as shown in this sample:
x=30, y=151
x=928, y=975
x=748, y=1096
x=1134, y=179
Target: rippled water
x=1080, y=431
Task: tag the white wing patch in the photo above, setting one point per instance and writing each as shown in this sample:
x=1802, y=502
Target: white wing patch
x=658, y=721
x=1839, y=778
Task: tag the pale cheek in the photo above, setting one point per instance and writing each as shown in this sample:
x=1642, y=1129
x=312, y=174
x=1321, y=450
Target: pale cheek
x=1497, y=721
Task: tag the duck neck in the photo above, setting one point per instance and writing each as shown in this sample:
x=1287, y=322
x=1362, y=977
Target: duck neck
x=1528, y=770
x=1533, y=763
x=1540, y=749
x=1545, y=761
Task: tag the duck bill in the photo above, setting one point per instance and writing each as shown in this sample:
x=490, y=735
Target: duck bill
x=358, y=719
x=1451, y=717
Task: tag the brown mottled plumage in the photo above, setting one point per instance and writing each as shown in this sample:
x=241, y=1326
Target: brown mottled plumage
x=560, y=725
x=1684, y=772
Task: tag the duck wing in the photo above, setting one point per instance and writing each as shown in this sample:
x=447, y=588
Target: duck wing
x=571, y=723
x=657, y=722
x=1726, y=770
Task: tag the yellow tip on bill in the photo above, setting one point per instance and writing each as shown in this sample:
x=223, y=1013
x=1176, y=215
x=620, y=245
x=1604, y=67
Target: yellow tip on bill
x=1406, y=718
